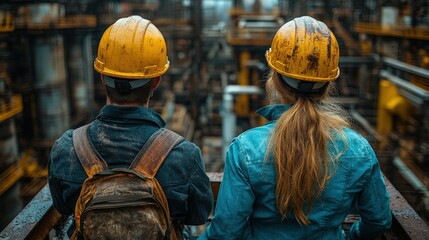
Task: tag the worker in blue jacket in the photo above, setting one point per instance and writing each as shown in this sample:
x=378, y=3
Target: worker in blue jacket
x=132, y=56
x=302, y=173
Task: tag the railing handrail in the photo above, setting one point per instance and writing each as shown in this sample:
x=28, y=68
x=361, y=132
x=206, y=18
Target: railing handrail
x=38, y=218
x=405, y=67
x=35, y=220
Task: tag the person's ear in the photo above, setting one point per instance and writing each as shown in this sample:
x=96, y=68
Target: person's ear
x=102, y=79
x=155, y=82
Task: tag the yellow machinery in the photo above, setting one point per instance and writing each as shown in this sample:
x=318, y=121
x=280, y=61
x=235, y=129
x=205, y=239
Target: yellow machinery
x=250, y=36
x=399, y=100
x=14, y=166
x=391, y=104
x=8, y=110
x=6, y=21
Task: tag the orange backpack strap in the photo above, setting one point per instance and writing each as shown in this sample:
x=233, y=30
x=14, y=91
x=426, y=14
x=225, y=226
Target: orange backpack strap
x=92, y=162
x=155, y=150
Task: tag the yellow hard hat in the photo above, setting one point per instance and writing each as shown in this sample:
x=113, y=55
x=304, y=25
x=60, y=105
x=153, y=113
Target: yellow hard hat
x=305, y=49
x=132, y=48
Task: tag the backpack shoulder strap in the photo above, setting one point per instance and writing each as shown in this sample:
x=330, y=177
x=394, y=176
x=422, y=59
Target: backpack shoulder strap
x=155, y=150
x=91, y=162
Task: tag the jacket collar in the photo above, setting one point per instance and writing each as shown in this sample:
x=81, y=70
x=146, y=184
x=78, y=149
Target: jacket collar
x=125, y=114
x=273, y=112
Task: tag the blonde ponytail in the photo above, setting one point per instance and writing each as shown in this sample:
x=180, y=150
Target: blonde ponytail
x=299, y=148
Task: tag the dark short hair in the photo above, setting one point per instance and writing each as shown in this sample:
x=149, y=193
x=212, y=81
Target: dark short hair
x=139, y=95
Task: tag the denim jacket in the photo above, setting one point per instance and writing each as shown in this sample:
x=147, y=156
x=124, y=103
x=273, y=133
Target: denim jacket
x=246, y=204
x=117, y=134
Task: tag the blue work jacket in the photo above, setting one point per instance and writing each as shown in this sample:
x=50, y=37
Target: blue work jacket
x=117, y=134
x=246, y=204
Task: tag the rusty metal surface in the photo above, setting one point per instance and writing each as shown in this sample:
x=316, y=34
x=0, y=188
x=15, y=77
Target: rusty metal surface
x=407, y=224
x=35, y=220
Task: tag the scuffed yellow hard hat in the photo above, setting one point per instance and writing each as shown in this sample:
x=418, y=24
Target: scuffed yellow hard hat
x=132, y=48
x=305, y=49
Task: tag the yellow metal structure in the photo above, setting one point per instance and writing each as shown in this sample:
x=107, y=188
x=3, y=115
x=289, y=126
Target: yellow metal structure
x=390, y=105
x=10, y=176
x=6, y=22
x=252, y=32
x=305, y=49
x=132, y=48
x=8, y=110
x=242, y=107
x=26, y=166
x=377, y=29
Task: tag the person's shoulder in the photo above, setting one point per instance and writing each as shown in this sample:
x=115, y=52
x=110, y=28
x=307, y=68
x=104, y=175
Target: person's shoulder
x=187, y=149
x=187, y=144
x=66, y=140
x=185, y=158
x=354, y=137
x=358, y=147
x=252, y=143
x=62, y=159
x=257, y=132
x=255, y=137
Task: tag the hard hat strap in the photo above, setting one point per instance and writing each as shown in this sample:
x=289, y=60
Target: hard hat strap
x=125, y=85
x=304, y=89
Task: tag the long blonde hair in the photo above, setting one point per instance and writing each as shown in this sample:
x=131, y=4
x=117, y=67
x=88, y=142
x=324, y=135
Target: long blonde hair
x=299, y=146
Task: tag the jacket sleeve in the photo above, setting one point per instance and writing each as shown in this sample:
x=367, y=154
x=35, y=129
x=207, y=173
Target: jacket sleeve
x=65, y=175
x=61, y=203
x=373, y=206
x=200, y=193
x=55, y=184
x=235, y=198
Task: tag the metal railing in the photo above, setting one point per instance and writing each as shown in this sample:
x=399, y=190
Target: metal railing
x=39, y=219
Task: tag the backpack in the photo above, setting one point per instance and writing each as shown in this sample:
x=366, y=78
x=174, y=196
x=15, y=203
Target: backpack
x=124, y=203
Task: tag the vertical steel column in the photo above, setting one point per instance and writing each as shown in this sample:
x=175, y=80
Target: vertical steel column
x=228, y=116
x=88, y=59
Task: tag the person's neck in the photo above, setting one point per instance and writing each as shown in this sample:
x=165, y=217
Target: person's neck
x=108, y=102
x=128, y=105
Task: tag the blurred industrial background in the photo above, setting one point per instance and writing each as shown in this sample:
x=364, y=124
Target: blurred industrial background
x=215, y=82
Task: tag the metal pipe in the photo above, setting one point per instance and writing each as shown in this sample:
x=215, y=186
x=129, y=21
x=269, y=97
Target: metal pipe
x=355, y=60
x=405, y=67
x=228, y=116
x=411, y=177
x=413, y=93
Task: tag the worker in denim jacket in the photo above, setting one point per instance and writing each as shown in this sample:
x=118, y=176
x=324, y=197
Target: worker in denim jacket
x=132, y=56
x=302, y=173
